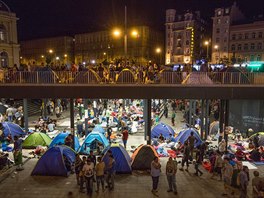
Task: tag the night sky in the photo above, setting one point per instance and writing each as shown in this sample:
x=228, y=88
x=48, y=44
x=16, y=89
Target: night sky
x=46, y=18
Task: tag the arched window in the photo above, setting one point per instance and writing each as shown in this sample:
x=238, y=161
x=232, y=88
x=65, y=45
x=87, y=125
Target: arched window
x=233, y=47
x=3, y=34
x=4, y=59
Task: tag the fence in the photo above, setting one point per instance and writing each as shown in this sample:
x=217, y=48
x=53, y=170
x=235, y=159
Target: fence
x=130, y=77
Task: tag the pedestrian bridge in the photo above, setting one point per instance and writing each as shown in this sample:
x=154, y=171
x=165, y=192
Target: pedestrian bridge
x=129, y=84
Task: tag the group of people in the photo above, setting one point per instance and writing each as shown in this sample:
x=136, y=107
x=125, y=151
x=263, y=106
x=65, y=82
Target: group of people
x=89, y=170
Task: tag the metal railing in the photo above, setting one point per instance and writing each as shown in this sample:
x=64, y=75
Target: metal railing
x=130, y=77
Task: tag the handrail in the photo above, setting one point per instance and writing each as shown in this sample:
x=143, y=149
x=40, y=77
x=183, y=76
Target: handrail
x=130, y=77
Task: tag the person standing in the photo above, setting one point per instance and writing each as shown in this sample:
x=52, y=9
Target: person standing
x=171, y=169
x=99, y=170
x=81, y=174
x=155, y=173
x=186, y=156
x=77, y=167
x=166, y=110
x=218, y=164
x=109, y=133
x=227, y=175
x=88, y=170
x=125, y=136
x=192, y=140
x=173, y=116
x=17, y=151
x=244, y=180
x=198, y=162
x=257, y=185
x=110, y=172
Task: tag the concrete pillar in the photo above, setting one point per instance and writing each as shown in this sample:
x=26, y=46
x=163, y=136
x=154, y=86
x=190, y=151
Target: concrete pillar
x=226, y=119
x=147, y=119
x=25, y=114
x=86, y=116
x=202, y=119
x=72, y=120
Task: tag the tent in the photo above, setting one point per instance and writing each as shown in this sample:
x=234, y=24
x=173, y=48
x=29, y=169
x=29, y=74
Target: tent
x=99, y=129
x=163, y=129
x=92, y=138
x=261, y=138
x=13, y=129
x=36, y=139
x=142, y=157
x=122, y=158
x=52, y=162
x=60, y=140
x=184, y=135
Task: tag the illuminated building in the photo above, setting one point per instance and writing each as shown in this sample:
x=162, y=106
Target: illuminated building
x=56, y=50
x=9, y=47
x=102, y=46
x=184, y=36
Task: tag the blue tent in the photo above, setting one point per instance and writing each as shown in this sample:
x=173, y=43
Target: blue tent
x=52, y=162
x=99, y=129
x=185, y=134
x=90, y=139
x=123, y=160
x=13, y=129
x=163, y=129
x=60, y=140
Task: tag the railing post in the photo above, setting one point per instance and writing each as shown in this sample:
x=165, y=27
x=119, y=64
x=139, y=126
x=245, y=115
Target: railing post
x=239, y=78
x=20, y=77
x=231, y=77
x=37, y=77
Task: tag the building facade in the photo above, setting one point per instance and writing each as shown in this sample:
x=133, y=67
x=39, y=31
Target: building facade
x=247, y=42
x=55, y=50
x=9, y=47
x=142, y=46
x=184, y=37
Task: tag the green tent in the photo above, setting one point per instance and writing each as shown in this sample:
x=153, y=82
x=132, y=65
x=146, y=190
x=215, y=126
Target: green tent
x=36, y=139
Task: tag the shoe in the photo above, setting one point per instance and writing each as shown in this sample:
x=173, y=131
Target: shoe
x=169, y=190
x=186, y=170
x=181, y=169
x=176, y=193
x=201, y=174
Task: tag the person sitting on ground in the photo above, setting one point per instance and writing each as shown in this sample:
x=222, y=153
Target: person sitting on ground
x=222, y=146
x=257, y=186
x=255, y=155
x=69, y=140
x=161, y=138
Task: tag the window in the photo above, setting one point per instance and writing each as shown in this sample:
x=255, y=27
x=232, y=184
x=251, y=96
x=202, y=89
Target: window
x=252, y=57
x=3, y=35
x=252, y=46
x=225, y=40
x=253, y=35
x=217, y=40
x=233, y=47
x=260, y=34
x=227, y=11
x=239, y=36
x=4, y=59
x=246, y=35
x=218, y=21
x=233, y=37
x=226, y=30
x=219, y=13
x=259, y=46
x=169, y=27
x=187, y=42
x=239, y=47
x=258, y=58
x=217, y=30
x=225, y=49
x=226, y=21
x=245, y=46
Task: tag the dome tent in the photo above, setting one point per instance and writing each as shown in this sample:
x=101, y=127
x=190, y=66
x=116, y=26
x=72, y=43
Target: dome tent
x=163, y=129
x=60, y=140
x=142, y=157
x=52, y=162
x=36, y=139
x=122, y=158
x=13, y=129
x=185, y=134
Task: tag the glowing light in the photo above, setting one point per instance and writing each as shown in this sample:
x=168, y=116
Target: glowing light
x=134, y=33
x=158, y=50
x=206, y=42
x=57, y=58
x=50, y=51
x=93, y=61
x=117, y=33
x=42, y=56
x=65, y=55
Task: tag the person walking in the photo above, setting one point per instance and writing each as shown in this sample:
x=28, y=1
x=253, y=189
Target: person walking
x=155, y=173
x=227, y=175
x=218, y=165
x=198, y=162
x=171, y=170
x=186, y=156
x=99, y=170
x=81, y=174
x=125, y=136
x=192, y=140
x=173, y=116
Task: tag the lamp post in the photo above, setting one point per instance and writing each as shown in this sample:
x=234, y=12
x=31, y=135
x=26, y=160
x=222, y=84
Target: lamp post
x=206, y=43
x=217, y=50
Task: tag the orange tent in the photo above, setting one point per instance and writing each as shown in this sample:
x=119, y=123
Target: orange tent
x=142, y=157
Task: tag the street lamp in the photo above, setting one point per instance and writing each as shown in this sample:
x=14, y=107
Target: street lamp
x=158, y=51
x=206, y=43
x=217, y=49
x=50, y=51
